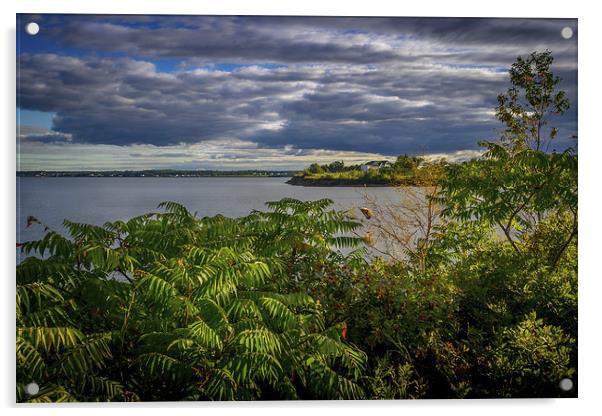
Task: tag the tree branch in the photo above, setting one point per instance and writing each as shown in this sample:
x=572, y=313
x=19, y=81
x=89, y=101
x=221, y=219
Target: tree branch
x=567, y=242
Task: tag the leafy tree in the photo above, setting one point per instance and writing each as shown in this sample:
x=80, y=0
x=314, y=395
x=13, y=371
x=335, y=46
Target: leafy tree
x=526, y=106
x=515, y=184
x=315, y=168
x=406, y=164
x=336, y=166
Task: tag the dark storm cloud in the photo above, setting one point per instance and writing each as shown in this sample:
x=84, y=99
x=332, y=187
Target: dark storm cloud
x=232, y=38
x=381, y=85
x=302, y=39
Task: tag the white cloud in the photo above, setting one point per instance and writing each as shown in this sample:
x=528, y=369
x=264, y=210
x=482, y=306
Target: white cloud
x=453, y=157
x=229, y=154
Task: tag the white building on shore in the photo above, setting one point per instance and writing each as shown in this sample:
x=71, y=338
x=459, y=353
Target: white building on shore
x=375, y=164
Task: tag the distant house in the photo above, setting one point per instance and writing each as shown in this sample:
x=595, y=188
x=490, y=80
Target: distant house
x=375, y=164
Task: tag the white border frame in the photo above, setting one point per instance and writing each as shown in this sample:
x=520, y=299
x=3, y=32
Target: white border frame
x=590, y=95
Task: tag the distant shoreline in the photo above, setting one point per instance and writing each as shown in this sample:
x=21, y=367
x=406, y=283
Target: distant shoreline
x=156, y=174
x=357, y=183
x=300, y=181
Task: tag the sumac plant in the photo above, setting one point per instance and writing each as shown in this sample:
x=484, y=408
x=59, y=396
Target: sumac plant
x=169, y=306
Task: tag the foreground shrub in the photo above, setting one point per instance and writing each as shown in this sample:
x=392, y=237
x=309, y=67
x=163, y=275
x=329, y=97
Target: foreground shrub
x=528, y=359
x=168, y=306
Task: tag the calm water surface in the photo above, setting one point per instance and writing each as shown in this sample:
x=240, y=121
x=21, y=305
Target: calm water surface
x=97, y=200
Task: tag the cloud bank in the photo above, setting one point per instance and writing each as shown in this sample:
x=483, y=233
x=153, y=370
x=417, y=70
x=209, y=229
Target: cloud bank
x=378, y=86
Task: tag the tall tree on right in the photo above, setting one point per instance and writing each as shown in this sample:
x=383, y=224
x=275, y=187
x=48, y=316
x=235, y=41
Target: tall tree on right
x=528, y=103
x=516, y=183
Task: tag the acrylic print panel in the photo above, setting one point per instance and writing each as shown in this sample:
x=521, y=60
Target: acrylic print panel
x=260, y=208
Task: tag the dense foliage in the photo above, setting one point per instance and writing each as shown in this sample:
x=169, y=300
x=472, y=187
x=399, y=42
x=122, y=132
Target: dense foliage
x=298, y=303
x=172, y=307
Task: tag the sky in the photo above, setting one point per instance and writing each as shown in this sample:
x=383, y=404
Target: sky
x=103, y=92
